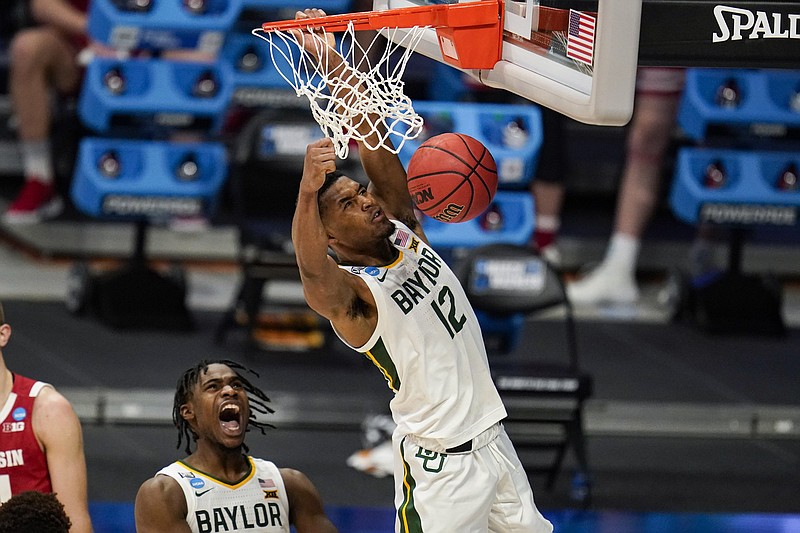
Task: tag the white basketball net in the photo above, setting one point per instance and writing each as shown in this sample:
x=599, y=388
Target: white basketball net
x=340, y=111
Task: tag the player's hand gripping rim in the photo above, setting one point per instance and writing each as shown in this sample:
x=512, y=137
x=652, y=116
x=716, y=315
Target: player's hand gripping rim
x=318, y=42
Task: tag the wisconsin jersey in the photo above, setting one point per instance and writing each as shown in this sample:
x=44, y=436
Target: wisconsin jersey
x=23, y=465
x=257, y=504
x=428, y=345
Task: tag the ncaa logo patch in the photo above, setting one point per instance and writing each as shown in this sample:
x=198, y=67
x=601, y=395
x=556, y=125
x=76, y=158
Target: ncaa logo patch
x=197, y=483
x=19, y=414
x=372, y=271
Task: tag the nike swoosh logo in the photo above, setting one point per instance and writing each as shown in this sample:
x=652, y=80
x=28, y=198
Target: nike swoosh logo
x=198, y=494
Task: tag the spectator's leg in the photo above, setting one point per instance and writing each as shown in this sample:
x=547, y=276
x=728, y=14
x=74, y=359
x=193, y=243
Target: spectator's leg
x=614, y=280
x=647, y=143
x=42, y=60
x=548, y=187
x=549, y=198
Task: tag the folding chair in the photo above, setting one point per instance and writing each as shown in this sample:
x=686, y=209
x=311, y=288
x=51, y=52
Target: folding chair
x=543, y=396
x=266, y=166
x=267, y=163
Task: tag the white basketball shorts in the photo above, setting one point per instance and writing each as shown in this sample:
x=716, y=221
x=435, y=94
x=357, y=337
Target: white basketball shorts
x=478, y=491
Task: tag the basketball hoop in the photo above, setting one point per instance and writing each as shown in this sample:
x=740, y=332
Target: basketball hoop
x=469, y=34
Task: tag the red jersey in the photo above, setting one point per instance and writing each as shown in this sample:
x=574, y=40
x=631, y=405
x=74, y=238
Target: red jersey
x=23, y=465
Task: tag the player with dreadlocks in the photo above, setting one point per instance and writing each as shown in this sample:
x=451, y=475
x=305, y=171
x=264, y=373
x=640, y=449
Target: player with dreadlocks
x=218, y=487
x=258, y=400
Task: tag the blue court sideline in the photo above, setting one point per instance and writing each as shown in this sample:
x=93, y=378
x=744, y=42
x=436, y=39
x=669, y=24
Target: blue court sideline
x=118, y=518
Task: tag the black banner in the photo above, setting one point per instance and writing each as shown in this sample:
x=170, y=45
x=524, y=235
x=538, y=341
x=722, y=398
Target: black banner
x=736, y=34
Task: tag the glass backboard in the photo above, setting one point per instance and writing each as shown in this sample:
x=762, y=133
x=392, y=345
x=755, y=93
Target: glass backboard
x=576, y=57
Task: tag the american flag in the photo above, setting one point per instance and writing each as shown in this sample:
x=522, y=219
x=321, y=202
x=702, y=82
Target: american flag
x=580, y=37
x=266, y=483
x=401, y=238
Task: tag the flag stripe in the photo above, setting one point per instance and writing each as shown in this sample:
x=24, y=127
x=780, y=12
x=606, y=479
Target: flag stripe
x=401, y=238
x=580, y=36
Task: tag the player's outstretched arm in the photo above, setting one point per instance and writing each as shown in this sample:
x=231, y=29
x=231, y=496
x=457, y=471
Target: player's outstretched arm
x=59, y=430
x=384, y=169
x=328, y=289
x=305, y=504
x=160, y=507
x=318, y=271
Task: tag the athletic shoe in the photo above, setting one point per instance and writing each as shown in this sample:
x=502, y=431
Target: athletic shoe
x=377, y=461
x=552, y=255
x=548, y=251
x=605, y=284
x=37, y=201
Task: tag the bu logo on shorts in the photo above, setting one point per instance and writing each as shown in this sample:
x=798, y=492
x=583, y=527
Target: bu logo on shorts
x=431, y=461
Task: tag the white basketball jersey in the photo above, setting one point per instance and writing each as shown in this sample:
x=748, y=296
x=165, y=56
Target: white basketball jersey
x=429, y=346
x=258, y=503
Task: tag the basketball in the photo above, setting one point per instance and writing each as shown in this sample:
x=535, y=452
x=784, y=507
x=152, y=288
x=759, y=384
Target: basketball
x=452, y=177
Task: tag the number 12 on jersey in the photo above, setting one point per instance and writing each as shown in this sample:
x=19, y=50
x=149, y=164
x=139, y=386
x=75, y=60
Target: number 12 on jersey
x=445, y=303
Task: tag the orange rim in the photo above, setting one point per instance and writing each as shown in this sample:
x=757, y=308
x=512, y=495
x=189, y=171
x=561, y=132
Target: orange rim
x=469, y=34
x=480, y=13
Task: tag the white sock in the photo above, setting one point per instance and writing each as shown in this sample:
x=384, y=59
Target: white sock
x=550, y=223
x=37, y=161
x=622, y=253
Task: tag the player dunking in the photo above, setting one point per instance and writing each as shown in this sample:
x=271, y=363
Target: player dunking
x=218, y=487
x=393, y=298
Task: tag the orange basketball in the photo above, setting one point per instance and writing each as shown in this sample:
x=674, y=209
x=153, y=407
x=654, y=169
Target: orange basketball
x=452, y=177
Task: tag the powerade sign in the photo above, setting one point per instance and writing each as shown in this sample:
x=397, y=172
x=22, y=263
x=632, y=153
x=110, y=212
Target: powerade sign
x=744, y=34
x=130, y=205
x=748, y=214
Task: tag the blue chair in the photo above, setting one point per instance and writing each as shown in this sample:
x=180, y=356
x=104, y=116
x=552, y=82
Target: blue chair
x=162, y=25
x=729, y=300
x=138, y=181
x=152, y=97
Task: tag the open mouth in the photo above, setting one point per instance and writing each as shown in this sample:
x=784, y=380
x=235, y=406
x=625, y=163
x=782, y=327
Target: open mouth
x=230, y=418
